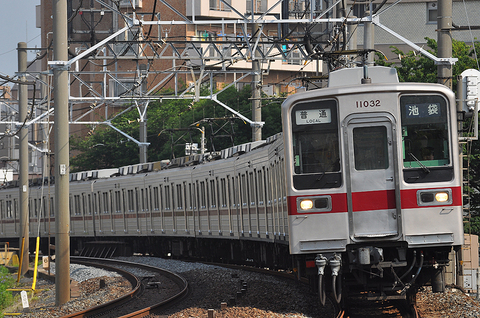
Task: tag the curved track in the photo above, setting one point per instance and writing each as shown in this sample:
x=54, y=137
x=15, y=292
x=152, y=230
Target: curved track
x=388, y=308
x=352, y=308
x=138, y=291
x=349, y=307
x=338, y=311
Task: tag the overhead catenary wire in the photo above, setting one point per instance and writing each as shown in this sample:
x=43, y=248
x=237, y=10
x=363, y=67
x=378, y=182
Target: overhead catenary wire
x=136, y=33
x=30, y=115
x=471, y=35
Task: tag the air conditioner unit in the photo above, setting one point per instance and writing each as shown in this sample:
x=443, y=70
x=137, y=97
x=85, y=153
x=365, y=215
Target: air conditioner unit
x=129, y=3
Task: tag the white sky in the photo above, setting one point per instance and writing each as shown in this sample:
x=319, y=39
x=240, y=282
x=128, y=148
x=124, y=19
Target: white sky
x=18, y=21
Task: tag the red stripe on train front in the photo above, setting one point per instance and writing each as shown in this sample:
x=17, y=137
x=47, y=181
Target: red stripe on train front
x=409, y=197
x=374, y=200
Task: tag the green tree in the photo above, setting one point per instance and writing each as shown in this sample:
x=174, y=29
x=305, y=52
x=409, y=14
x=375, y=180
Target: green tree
x=105, y=147
x=415, y=67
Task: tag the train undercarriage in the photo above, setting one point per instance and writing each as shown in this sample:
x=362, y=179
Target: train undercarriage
x=377, y=273
x=273, y=254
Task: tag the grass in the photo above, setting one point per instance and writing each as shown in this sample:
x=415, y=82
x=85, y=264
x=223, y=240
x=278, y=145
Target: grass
x=7, y=280
x=9, y=300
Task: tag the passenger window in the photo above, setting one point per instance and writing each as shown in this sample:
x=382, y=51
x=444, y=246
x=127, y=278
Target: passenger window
x=203, y=200
x=167, y=197
x=76, y=205
x=156, y=199
x=131, y=204
x=179, y=197
x=213, y=197
x=8, y=208
x=370, y=148
x=118, y=202
x=105, y=202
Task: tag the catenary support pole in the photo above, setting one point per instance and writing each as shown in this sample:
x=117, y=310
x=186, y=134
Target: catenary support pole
x=444, y=39
x=369, y=40
x=23, y=156
x=143, y=115
x=62, y=217
x=143, y=133
x=256, y=90
x=352, y=35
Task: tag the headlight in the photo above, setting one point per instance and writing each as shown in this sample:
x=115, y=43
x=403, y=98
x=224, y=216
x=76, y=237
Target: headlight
x=441, y=196
x=314, y=204
x=306, y=204
x=434, y=197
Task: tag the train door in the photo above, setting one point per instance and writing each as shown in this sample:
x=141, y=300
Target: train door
x=373, y=181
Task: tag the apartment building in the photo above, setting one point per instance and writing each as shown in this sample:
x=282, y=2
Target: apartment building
x=415, y=20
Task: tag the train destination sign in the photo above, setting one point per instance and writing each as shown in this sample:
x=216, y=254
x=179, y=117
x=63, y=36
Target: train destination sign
x=424, y=110
x=313, y=116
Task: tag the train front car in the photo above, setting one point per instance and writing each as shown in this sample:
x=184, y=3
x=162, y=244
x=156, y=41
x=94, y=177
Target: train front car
x=373, y=184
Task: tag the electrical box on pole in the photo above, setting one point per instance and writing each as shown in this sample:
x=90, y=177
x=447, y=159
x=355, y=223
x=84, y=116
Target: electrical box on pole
x=471, y=90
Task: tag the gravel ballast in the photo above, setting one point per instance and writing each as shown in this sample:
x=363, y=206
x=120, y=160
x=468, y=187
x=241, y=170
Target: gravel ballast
x=80, y=273
x=264, y=295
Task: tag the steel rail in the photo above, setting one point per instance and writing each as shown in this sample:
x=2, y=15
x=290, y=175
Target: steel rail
x=111, y=304
x=100, y=262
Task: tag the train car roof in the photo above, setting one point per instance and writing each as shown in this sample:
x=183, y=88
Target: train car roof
x=354, y=76
x=349, y=81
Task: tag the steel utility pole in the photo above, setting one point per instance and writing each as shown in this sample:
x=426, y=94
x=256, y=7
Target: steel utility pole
x=444, y=26
x=369, y=40
x=62, y=218
x=23, y=156
x=256, y=88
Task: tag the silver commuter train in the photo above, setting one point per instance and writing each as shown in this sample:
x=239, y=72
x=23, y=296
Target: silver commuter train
x=373, y=182
x=236, y=196
x=366, y=193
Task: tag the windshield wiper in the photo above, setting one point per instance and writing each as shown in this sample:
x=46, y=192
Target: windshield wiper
x=419, y=163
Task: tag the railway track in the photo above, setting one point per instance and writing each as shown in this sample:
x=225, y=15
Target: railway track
x=355, y=308
x=330, y=310
x=210, y=285
x=153, y=289
x=359, y=308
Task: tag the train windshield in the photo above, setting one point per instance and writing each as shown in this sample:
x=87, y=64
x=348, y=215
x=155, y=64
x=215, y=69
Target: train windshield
x=316, y=145
x=424, y=131
x=316, y=152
